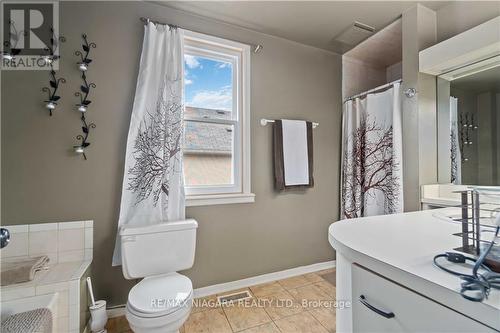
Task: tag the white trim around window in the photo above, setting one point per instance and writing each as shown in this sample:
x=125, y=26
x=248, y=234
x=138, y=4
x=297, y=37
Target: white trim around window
x=239, y=55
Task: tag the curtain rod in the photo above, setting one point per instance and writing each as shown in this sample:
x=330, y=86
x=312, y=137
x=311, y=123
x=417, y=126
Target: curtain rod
x=264, y=122
x=256, y=48
x=373, y=90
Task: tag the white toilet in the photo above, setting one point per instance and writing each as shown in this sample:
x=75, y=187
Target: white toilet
x=162, y=301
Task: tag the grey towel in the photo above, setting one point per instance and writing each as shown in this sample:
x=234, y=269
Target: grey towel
x=34, y=321
x=21, y=271
x=279, y=167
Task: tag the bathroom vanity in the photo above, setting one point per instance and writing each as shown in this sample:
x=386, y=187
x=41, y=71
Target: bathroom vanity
x=385, y=268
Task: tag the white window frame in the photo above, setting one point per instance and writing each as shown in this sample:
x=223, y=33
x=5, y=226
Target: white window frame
x=238, y=55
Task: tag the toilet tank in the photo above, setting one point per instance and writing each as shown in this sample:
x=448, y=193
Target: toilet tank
x=158, y=249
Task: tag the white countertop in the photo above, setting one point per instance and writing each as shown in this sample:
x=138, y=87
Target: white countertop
x=402, y=247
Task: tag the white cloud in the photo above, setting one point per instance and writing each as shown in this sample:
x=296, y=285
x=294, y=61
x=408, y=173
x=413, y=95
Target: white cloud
x=191, y=61
x=188, y=82
x=223, y=65
x=219, y=99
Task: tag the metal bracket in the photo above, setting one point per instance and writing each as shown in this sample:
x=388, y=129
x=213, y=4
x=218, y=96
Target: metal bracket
x=410, y=92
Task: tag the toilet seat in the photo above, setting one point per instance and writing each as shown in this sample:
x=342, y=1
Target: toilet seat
x=160, y=296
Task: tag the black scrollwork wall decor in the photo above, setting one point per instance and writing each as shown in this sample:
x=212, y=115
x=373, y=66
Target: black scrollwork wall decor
x=83, y=94
x=83, y=65
x=54, y=82
x=467, y=127
x=80, y=148
x=10, y=49
x=52, y=99
x=51, y=50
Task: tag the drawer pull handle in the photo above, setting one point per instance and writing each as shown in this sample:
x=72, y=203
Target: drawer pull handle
x=387, y=315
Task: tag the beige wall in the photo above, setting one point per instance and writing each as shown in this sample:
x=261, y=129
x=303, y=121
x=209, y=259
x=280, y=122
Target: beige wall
x=207, y=169
x=43, y=182
x=486, y=138
x=359, y=76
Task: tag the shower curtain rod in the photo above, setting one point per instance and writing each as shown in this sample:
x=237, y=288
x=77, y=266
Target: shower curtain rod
x=256, y=48
x=373, y=90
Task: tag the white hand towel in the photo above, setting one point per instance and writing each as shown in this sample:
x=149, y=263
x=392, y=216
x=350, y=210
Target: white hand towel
x=295, y=157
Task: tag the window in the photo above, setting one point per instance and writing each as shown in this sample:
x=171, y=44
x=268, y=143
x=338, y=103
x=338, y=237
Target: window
x=216, y=120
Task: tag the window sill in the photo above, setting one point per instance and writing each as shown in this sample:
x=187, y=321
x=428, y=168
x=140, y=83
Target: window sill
x=219, y=199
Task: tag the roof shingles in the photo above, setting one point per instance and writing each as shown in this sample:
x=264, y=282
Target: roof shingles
x=206, y=138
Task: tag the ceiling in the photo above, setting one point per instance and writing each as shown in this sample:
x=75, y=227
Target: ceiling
x=382, y=49
x=314, y=23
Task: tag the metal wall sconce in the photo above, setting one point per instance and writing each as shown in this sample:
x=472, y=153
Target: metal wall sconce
x=51, y=49
x=80, y=148
x=9, y=49
x=84, y=92
x=83, y=65
x=467, y=126
x=54, y=82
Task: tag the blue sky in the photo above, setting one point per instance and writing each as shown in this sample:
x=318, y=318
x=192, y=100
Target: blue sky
x=207, y=83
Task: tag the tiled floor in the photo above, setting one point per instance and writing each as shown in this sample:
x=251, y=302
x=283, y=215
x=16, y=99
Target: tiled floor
x=301, y=304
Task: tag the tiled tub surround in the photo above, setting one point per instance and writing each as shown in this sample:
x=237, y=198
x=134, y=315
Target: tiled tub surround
x=69, y=246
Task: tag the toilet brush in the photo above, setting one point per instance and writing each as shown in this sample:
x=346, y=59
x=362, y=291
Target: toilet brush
x=98, y=314
x=91, y=291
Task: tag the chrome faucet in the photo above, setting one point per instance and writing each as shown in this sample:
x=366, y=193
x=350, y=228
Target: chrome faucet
x=4, y=237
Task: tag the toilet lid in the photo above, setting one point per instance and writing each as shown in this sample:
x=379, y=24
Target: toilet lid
x=160, y=295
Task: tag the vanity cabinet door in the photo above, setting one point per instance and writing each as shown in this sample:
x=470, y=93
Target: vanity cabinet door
x=379, y=305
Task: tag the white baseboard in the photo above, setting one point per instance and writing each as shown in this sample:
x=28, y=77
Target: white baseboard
x=243, y=283
x=269, y=277
x=116, y=311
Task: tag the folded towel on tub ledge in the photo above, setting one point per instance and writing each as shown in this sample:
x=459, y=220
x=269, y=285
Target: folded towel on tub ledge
x=293, y=154
x=21, y=270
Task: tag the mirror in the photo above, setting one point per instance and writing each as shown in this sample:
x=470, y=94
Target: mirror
x=469, y=124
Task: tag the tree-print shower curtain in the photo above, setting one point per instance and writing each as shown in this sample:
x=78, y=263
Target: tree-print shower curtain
x=456, y=156
x=153, y=189
x=372, y=178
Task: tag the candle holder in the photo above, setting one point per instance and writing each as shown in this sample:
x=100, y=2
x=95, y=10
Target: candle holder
x=9, y=49
x=54, y=82
x=51, y=101
x=83, y=65
x=467, y=127
x=83, y=94
x=80, y=148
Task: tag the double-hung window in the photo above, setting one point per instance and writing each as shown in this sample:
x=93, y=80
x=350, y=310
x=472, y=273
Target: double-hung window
x=216, y=119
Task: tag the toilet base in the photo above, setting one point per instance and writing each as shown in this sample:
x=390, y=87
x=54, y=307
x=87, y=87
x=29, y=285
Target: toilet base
x=167, y=324
x=159, y=330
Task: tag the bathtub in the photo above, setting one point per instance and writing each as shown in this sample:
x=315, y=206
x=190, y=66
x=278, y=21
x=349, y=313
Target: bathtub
x=49, y=301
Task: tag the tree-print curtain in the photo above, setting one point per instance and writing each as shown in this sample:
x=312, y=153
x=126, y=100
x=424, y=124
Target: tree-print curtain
x=456, y=156
x=372, y=179
x=153, y=189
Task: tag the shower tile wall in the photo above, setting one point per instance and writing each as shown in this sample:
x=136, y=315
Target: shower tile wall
x=69, y=246
x=61, y=242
